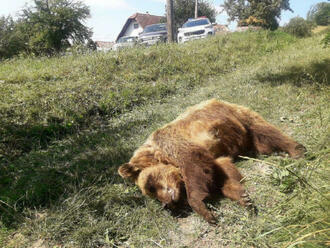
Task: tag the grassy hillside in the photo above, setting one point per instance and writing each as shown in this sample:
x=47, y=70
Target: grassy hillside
x=67, y=123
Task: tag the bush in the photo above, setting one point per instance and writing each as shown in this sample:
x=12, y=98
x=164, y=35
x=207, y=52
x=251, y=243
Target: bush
x=299, y=27
x=326, y=40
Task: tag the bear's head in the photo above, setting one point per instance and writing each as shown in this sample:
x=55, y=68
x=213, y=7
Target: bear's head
x=161, y=181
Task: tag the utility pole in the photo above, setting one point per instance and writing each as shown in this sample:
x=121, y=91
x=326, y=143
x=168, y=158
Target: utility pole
x=196, y=9
x=170, y=20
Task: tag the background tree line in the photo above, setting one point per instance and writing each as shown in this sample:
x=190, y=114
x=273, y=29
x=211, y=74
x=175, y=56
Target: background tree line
x=266, y=14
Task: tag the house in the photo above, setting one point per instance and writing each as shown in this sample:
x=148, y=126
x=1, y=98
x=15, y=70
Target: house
x=136, y=23
x=247, y=28
x=104, y=45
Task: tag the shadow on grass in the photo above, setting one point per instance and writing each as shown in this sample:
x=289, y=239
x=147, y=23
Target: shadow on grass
x=40, y=178
x=17, y=140
x=316, y=72
x=20, y=139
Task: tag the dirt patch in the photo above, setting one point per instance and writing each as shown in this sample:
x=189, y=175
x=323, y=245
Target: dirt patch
x=191, y=231
x=17, y=240
x=39, y=244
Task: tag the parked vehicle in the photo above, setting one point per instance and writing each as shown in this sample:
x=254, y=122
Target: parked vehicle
x=195, y=29
x=153, y=34
x=125, y=42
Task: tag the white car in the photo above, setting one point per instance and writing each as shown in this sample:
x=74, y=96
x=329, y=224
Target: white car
x=195, y=29
x=125, y=42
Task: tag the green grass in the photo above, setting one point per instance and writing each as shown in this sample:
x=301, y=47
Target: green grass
x=67, y=123
x=47, y=99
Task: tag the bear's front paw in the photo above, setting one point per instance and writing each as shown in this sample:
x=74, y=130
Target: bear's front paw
x=299, y=152
x=248, y=203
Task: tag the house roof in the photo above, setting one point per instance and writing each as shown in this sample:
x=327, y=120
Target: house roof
x=104, y=44
x=142, y=19
x=220, y=28
x=245, y=28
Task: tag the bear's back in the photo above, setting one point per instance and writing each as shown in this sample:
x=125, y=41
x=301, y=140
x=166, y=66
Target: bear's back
x=212, y=124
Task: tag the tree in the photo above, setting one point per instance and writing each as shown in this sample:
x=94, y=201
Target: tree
x=91, y=45
x=53, y=25
x=319, y=14
x=263, y=13
x=12, y=42
x=184, y=9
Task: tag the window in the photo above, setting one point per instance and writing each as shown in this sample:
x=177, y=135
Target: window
x=195, y=22
x=155, y=28
x=136, y=25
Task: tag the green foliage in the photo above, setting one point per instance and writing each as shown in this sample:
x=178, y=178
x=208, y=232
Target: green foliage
x=265, y=12
x=286, y=178
x=185, y=9
x=91, y=45
x=47, y=28
x=326, y=40
x=299, y=27
x=51, y=25
x=12, y=42
x=319, y=14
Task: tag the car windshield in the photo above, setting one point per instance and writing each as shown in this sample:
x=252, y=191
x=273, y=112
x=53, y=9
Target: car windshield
x=155, y=28
x=127, y=39
x=197, y=22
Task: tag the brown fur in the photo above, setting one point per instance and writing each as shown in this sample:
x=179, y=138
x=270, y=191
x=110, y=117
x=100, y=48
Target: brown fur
x=196, y=149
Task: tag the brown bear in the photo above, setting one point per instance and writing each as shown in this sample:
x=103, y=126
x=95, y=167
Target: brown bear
x=192, y=156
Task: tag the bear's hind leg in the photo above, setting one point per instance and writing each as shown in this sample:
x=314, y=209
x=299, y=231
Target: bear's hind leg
x=268, y=139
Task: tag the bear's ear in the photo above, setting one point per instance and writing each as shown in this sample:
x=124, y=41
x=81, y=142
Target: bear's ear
x=130, y=171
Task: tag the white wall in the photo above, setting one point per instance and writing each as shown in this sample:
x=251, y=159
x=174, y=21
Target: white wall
x=130, y=31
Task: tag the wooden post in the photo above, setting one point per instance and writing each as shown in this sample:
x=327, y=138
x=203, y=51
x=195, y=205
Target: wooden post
x=170, y=20
x=196, y=9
